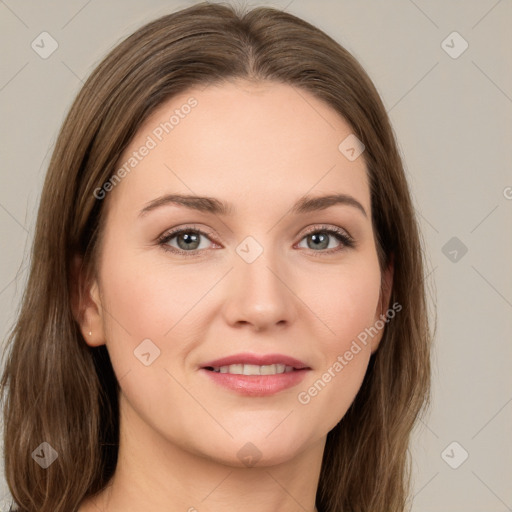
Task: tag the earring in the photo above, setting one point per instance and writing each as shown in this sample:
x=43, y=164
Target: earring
x=90, y=333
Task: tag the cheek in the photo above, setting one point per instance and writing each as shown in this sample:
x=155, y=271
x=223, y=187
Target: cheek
x=141, y=302
x=156, y=301
x=145, y=308
x=147, y=301
x=346, y=346
x=347, y=303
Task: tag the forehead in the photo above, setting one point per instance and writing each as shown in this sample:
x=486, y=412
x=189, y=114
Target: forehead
x=244, y=142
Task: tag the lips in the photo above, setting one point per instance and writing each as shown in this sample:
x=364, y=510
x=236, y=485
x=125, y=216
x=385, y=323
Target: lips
x=256, y=360
x=253, y=369
x=256, y=375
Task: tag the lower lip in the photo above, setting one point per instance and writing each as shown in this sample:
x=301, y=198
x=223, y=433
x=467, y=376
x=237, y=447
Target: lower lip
x=257, y=385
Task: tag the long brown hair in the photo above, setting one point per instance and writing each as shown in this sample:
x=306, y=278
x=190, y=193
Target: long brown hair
x=59, y=390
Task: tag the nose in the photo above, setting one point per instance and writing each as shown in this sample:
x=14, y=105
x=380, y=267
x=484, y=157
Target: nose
x=260, y=295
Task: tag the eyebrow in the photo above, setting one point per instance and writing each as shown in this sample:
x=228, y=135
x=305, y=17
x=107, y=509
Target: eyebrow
x=212, y=205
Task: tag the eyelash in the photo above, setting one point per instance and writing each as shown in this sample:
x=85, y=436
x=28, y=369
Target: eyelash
x=339, y=234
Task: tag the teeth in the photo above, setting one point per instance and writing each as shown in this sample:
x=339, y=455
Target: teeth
x=236, y=368
x=254, y=369
x=269, y=369
x=251, y=369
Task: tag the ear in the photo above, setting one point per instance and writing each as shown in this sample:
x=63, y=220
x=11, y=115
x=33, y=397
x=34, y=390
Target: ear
x=384, y=298
x=86, y=304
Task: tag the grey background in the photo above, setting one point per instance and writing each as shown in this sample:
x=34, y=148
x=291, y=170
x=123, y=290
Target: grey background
x=452, y=117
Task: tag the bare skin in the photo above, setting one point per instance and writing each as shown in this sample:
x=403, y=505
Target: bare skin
x=260, y=147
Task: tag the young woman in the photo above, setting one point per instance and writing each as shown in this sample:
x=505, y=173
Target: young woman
x=226, y=306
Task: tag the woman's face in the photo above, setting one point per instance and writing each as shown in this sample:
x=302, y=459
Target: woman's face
x=263, y=279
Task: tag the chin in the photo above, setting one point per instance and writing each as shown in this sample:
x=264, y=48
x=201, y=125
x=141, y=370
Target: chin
x=257, y=449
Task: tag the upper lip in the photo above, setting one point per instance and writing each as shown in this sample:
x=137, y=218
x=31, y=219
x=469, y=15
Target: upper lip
x=256, y=359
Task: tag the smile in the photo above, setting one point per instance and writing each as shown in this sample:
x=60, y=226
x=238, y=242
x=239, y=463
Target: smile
x=252, y=369
x=254, y=374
